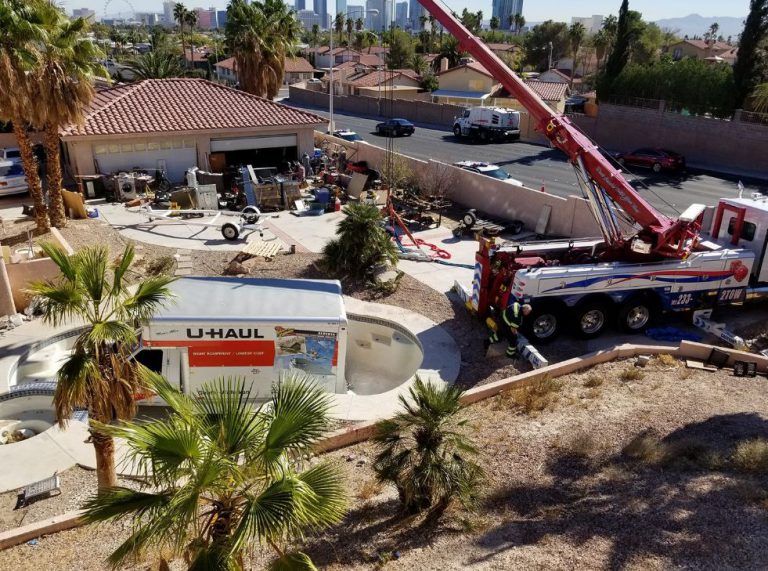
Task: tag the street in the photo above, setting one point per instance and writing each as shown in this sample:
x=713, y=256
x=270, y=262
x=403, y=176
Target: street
x=538, y=166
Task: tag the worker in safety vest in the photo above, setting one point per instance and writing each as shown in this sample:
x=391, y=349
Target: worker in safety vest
x=511, y=321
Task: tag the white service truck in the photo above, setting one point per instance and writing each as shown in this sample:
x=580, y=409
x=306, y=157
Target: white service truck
x=487, y=124
x=247, y=328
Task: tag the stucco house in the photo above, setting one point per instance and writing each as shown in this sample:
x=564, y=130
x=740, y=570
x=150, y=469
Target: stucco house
x=698, y=49
x=176, y=124
x=466, y=84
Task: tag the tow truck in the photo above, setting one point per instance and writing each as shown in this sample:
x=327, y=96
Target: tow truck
x=643, y=264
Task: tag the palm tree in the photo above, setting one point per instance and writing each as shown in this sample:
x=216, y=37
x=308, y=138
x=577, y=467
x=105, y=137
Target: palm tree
x=359, y=25
x=159, y=64
x=180, y=15
x=576, y=34
x=190, y=20
x=760, y=98
x=361, y=243
x=432, y=31
x=260, y=35
x=418, y=64
x=338, y=25
x=601, y=43
x=63, y=87
x=21, y=32
x=350, y=28
x=424, y=453
x=98, y=375
x=223, y=475
x=495, y=24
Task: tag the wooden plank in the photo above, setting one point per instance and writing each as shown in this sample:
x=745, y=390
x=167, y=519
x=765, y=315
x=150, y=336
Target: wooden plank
x=261, y=248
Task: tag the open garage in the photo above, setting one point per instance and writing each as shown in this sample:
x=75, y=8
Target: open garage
x=176, y=124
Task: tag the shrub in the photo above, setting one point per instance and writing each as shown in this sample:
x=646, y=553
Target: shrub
x=666, y=360
x=631, y=374
x=360, y=244
x=593, y=380
x=751, y=456
x=646, y=447
x=538, y=396
x=424, y=453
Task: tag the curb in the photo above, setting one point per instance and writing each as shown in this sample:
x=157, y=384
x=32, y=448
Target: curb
x=47, y=526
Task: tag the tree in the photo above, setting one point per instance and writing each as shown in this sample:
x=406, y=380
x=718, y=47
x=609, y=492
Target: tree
x=495, y=23
x=359, y=25
x=338, y=25
x=360, y=245
x=350, y=29
x=424, y=453
x=21, y=32
x=576, y=34
x=223, y=475
x=98, y=375
x=418, y=64
x=621, y=47
x=190, y=21
x=537, y=42
x=760, y=98
x=180, y=15
x=63, y=88
x=711, y=34
x=259, y=36
x=160, y=64
x=517, y=23
x=401, y=50
x=451, y=51
x=747, y=70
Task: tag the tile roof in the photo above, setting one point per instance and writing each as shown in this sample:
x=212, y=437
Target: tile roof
x=182, y=104
x=374, y=78
x=549, y=90
x=703, y=45
x=503, y=47
x=471, y=65
x=371, y=59
x=195, y=56
x=228, y=63
x=376, y=50
x=298, y=65
x=564, y=74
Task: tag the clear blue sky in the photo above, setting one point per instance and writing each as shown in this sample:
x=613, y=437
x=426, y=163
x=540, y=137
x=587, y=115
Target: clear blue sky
x=534, y=10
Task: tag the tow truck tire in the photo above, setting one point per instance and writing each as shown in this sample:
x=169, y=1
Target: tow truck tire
x=591, y=320
x=457, y=131
x=656, y=167
x=483, y=137
x=543, y=325
x=635, y=315
x=230, y=231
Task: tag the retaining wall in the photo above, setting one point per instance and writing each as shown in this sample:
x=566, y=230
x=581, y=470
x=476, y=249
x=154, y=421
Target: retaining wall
x=569, y=217
x=725, y=144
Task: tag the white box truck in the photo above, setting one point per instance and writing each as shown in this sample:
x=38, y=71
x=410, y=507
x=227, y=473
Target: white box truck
x=248, y=328
x=487, y=124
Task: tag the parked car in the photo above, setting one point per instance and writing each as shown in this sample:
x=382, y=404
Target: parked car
x=654, y=159
x=347, y=135
x=10, y=154
x=493, y=171
x=395, y=128
x=575, y=104
x=12, y=178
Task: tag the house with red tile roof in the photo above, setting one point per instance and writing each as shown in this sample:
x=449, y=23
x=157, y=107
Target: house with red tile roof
x=698, y=49
x=296, y=69
x=177, y=124
x=351, y=84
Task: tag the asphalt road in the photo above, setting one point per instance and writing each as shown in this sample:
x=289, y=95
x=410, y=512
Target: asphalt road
x=537, y=165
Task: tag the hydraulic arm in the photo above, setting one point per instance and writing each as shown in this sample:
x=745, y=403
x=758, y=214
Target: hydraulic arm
x=660, y=236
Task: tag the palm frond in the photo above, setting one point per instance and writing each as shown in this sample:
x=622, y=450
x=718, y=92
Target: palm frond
x=293, y=561
x=72, y=386
x=91, y=268
x=61, y=259
x=325, y=504
x=152, y=294
x=59, y=302
x=115, y=503
x=121, y=267
x=109, y=332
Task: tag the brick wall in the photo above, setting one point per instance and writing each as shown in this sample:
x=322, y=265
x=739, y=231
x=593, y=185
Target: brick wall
x=733, y=145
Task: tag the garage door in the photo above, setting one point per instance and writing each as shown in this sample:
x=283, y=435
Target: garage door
x=175, y=155
x=248, y=143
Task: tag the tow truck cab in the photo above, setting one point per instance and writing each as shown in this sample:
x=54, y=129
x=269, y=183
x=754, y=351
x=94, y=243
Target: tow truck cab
x=743, y=223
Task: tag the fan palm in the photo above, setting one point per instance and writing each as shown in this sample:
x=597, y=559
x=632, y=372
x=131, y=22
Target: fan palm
x=260, y=35
x=21, y=33
x=99, y=375
x=424, y=453
x=350, y=24
x=179, y=14
x=338, y=25
x=361, y=243
x=760, y=98
x=63, y=89
x=222, y=474
x=160, y=64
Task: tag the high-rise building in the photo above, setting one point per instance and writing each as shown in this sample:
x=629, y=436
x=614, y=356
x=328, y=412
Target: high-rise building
x=321, y=9
x=504, y=9
x=206, y=18
x=168, y=12
x=401, y=15
x=221, y=19
x=355, y=12
x=593, y=24
x=415, y=11
x=308, y=18
x=341, y=7
x=300, y=5
x=375, y=21
x=85, y=13
x=148, y=19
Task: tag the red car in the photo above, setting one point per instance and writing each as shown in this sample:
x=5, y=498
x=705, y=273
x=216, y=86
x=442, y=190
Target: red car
x=654, y=159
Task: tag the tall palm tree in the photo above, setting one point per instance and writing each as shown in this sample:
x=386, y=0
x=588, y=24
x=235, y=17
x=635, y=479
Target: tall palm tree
x=576, y=34
x=424, y=453
x=180, y=15
x=21, y=32
x=223, y=475
x=260, y=35
x=359, y=25
x=63, y=88
x=160, y=64
x=350, y=28
x=99, y=375
x=338, y=25
x=190, y=20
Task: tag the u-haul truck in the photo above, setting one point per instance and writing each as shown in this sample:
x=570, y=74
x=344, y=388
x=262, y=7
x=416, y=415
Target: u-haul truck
x=248, y=328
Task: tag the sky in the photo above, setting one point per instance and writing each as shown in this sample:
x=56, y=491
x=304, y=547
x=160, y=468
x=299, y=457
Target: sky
x=533, y=10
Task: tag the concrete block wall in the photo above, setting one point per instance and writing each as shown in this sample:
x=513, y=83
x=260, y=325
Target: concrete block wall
x=727, y=144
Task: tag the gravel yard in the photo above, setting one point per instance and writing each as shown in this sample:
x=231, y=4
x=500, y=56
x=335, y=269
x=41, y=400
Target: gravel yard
x=559, y=493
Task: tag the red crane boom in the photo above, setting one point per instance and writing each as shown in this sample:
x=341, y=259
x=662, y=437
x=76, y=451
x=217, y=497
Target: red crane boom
x=660, y=235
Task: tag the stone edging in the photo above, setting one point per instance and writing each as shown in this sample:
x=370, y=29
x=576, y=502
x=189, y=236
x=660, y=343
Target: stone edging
x=364, y=431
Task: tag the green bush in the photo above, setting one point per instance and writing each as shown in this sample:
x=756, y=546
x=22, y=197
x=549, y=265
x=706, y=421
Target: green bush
x=361, y=243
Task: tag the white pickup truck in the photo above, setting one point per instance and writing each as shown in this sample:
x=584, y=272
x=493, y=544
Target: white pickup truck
x=487, y=124
x=12, y=178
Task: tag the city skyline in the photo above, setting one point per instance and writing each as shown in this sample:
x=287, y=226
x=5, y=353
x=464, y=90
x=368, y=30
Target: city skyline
x=532, y=11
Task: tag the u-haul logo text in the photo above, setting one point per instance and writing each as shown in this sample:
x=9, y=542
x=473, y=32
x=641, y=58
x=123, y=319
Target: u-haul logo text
x=222, y=333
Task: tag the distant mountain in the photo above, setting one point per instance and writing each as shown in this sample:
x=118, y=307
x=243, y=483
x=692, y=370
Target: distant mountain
x=696, y=25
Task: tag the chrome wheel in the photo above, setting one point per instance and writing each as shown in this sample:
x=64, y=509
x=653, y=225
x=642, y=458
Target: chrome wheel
x=638, y=317
x=592, y=321
x=544, y=326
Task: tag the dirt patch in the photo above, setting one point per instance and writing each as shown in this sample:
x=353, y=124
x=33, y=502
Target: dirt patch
x=560, y=491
